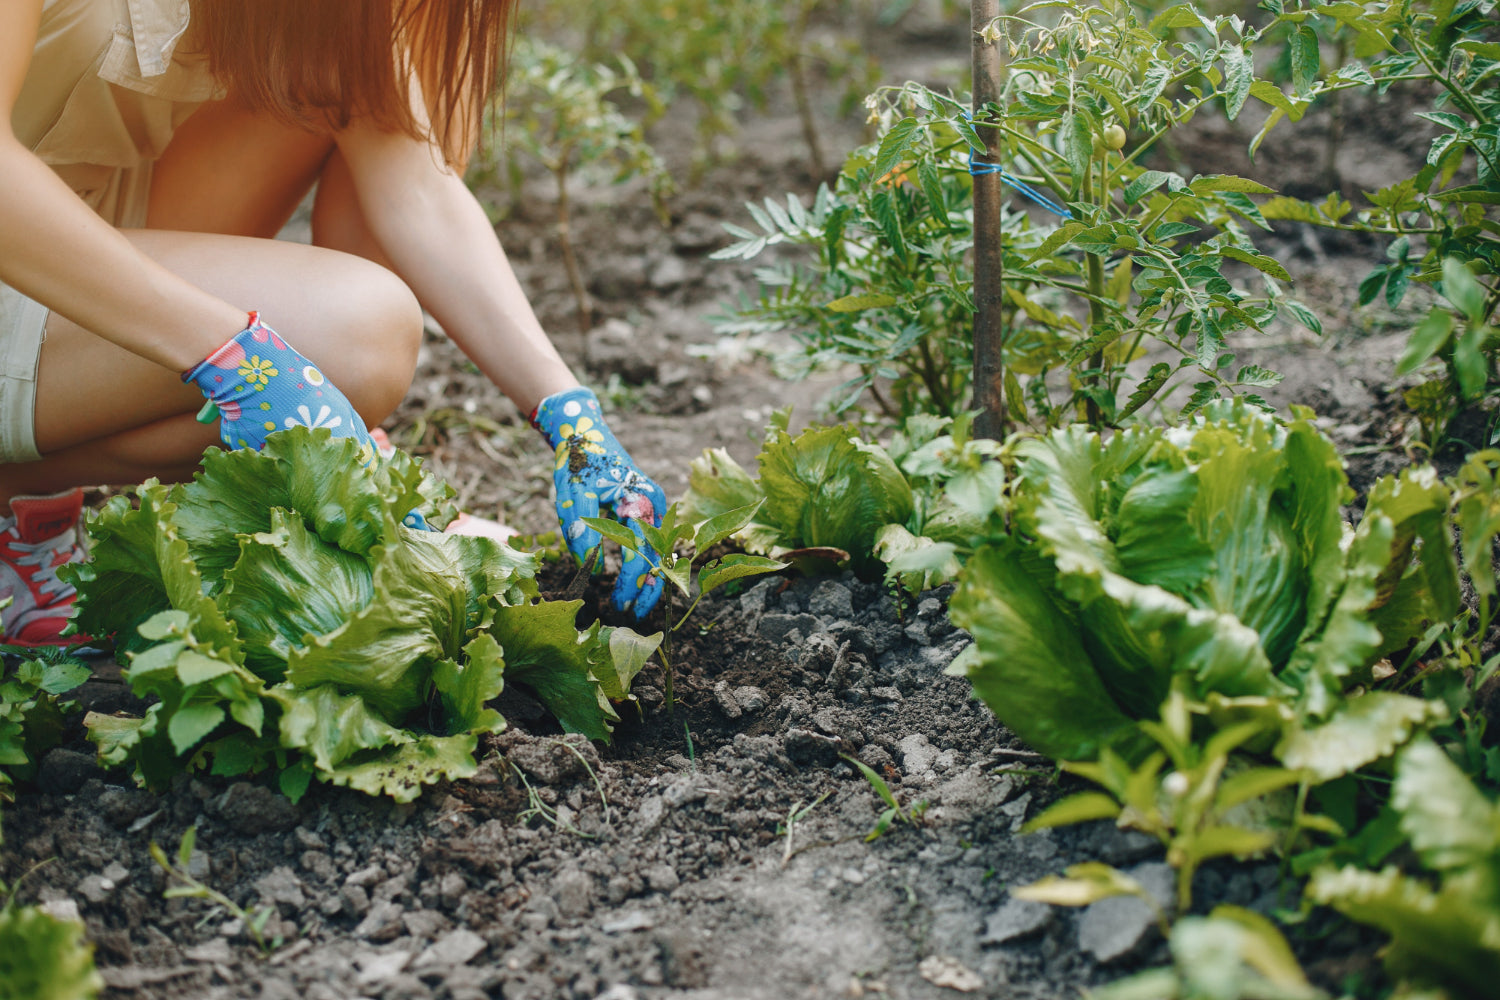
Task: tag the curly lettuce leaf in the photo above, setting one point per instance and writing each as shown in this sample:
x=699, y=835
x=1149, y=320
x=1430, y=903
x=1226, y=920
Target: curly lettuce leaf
x=827, y=488
x=44, y=958
x=545, y=651
x=289, y=586
x=330, y=726
x=1030, y=666
x=402, y=771
x=465, y=688
x=385, y=650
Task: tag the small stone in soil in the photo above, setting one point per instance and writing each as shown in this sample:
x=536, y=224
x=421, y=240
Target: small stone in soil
x=662, y=878
x=1116, y=928
x=254, y=809
x=751, y=699
x=64, y=771
x=382, y=923
x=629, y=920
x=727, y=702
x=1016, y=918
x=944, y=970
x=457, y=947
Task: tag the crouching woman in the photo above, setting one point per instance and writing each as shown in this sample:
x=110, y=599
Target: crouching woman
x=151, y=151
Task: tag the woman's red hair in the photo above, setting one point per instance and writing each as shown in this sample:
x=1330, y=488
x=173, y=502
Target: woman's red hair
x=323, y=63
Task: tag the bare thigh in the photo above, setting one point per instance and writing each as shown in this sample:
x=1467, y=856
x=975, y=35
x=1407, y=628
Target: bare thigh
x=355, y=319
x=227, y=183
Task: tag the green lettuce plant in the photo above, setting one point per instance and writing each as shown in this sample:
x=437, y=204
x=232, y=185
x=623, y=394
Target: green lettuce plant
x=1205, y=806
x=282, y=620
x=677, y=544
x=1209, y=558
x=823, y=493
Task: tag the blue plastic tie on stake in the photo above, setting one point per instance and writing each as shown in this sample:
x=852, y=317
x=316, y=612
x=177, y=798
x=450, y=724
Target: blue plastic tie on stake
x=979, y=167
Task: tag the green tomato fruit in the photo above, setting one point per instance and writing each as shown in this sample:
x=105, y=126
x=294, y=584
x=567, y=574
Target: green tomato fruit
x=1114, y=137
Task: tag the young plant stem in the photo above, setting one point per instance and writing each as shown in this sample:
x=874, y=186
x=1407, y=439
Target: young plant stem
x=798, y=71
x=666, y=658
x=989, y=260
x=1095, y=268
x=570, y=257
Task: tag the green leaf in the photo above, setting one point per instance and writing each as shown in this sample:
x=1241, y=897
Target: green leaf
x=827, y=488
x=628, y=653
x=1444, y=937
x=330, y=726
x=191, y=724
x=1171, y=230
x=1148, y=181
x=717, y=484
x=1252, y=783
x=1149, y=386
x=1221, y=841
x=1212, y=183
x=736, y=567
x=711, y=532
x=1260, y=262
x=466, y=687
x=859, y=303
x=1077, y=134
x=384, y=651
x=876, y=781
x=614, y=531
x=1239, y=73
x=1181, y=15
x=1032, y=668
x=1060, y=237
x=288, y=586
x=1452, y=825
x=402, y=771
x=896, y=144
x=919, y=562
x=1081, y=808
x=1304, y=315
x=1462, y=289
x=1085, y=884
x=545, y=651
x=1303, y=43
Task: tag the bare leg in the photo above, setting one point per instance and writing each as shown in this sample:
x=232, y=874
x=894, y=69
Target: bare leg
x=106, y=415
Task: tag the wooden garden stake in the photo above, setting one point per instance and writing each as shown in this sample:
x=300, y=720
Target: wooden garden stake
x=989, y=330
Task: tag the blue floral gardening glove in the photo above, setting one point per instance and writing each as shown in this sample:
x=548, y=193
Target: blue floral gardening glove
x=258, y=384
x=593, y=471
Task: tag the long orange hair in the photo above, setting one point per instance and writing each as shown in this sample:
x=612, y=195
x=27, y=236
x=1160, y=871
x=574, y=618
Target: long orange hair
x=322, y=63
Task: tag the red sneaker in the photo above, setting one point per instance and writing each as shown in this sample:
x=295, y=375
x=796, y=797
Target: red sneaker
x=41, y=535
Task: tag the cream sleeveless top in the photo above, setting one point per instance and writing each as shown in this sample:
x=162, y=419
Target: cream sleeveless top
x=105, y=90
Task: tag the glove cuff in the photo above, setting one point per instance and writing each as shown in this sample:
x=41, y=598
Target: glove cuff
x=564, y=407
x=229, y=352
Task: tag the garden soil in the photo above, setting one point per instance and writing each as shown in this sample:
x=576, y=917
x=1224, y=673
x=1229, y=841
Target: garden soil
x=724, y=847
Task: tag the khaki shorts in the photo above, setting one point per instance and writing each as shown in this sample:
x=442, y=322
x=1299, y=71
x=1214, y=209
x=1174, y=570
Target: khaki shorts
x=23, y=326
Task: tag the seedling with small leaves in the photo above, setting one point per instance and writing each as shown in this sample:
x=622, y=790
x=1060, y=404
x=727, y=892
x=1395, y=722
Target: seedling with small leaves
x=254, y=921
x=696, y=538
x=1188, y=808
x=894, y=810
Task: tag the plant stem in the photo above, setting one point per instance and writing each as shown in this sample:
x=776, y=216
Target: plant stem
x=570, y=258
x=800, y=96
x=989, y=258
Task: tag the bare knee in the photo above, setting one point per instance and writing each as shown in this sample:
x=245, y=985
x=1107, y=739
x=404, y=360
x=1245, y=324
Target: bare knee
x=382, y=334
